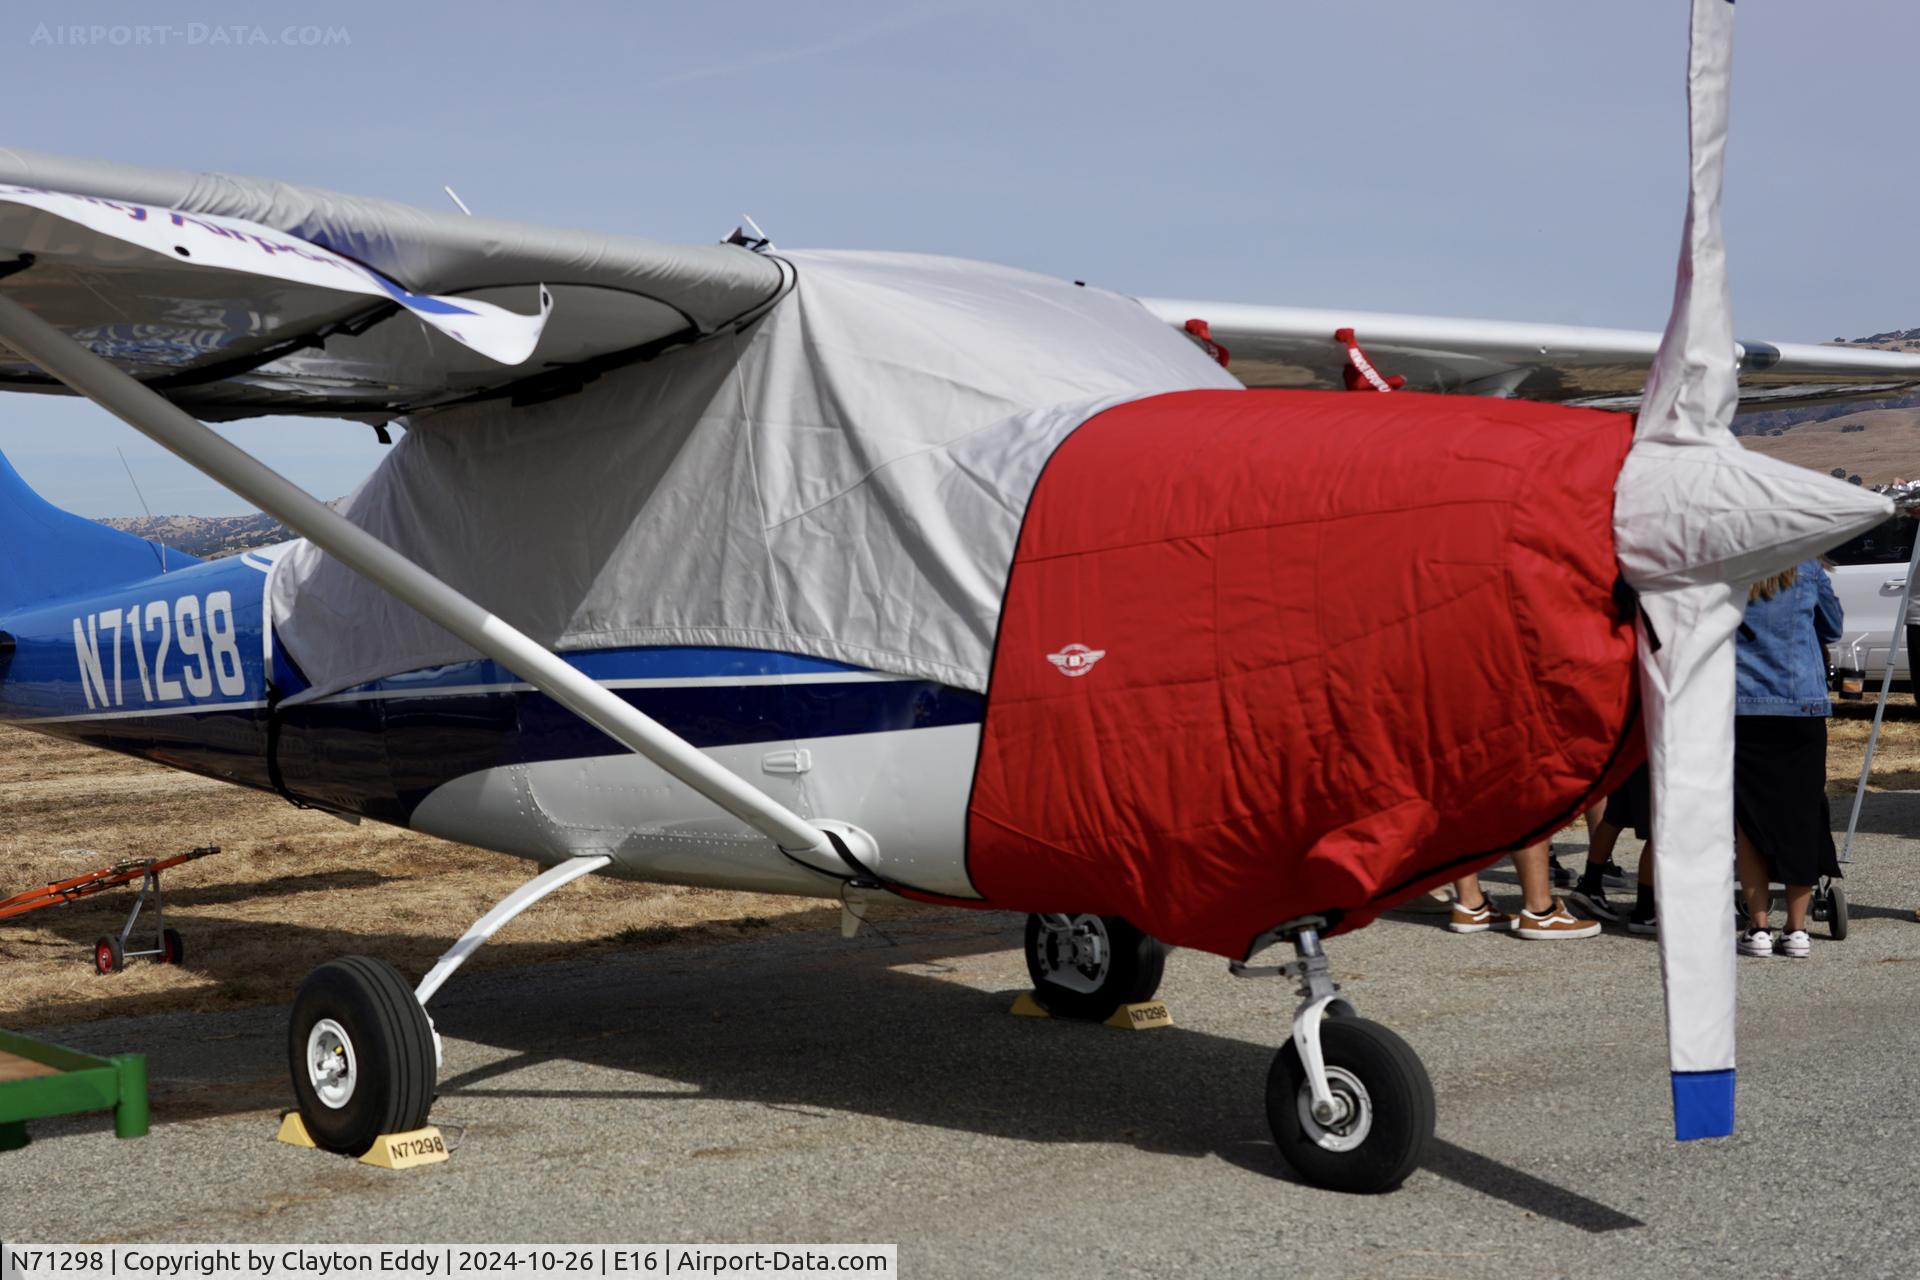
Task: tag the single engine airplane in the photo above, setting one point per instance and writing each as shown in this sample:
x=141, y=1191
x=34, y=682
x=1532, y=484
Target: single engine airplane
x=863, y=573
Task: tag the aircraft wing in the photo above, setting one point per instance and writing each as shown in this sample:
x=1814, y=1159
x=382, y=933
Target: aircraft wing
x=242, y=296
x=1604, y=368
x=239, y=296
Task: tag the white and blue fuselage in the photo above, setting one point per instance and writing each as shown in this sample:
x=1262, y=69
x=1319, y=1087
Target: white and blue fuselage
x=182, y=668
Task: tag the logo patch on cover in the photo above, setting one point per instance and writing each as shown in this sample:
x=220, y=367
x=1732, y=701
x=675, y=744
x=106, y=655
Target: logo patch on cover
x=1076, y=659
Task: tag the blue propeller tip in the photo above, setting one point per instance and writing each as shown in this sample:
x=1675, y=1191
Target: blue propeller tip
x=1702, y=1104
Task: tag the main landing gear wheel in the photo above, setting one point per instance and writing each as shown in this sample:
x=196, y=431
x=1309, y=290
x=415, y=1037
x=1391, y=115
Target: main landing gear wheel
x=361, y=1052
x=172, y=949
x=1382, y=1116
x=108, y=956
x=1085, y=967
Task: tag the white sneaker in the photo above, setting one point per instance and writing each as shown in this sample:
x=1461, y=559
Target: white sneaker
x=1794, y=944
x=1756, y=942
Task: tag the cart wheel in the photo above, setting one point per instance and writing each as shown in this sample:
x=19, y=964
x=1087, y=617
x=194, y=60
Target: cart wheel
x=361, y=1053
x=172, y=950
x=107, y=955
x=1386, y=1109
x=1836, y=911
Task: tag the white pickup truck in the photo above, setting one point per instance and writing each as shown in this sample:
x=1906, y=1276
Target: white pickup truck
x=1869, y=573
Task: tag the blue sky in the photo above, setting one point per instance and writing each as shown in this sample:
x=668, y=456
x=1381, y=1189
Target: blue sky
x=1479, y=158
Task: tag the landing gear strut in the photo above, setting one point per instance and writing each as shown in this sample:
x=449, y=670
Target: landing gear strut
x=1085, y=967
x=1349, y=1103
x=362, y=1050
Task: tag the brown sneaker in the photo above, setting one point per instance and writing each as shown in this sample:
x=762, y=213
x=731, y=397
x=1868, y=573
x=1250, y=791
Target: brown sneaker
x=1556, y=922
x=1480, y=919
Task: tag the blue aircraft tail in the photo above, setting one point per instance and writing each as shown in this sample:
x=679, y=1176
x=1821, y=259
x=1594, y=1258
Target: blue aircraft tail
x=47, y=553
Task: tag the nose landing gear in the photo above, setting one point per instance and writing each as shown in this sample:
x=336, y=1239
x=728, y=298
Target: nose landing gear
x=1349, y=1103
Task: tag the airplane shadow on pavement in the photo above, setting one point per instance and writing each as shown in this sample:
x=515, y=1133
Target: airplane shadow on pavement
x=812, y=1024
x=1892, y=813
x=912, y=1047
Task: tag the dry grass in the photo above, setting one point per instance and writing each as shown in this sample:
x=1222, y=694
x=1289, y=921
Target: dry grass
x=289, y=890
x=1896, y=758
x=1878, y=445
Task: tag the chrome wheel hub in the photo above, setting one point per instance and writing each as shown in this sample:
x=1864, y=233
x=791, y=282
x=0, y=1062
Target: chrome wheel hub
x=331, y=1068
x=1347, y=1122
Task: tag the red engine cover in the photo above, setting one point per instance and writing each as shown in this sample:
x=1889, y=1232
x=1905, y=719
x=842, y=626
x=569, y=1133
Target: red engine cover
x=1268, y=654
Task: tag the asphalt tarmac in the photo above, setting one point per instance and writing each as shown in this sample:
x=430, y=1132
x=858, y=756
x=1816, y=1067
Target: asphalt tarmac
x=809, y=1089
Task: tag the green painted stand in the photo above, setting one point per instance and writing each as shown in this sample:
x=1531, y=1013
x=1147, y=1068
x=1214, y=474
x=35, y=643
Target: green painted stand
x=79, y=1082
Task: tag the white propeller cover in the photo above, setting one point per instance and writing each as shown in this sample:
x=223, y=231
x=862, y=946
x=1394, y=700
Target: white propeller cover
x=1697, y=519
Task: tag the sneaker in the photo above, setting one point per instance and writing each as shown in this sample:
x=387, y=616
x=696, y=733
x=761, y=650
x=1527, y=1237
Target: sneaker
x=1793, y=944
x=1756, y=942
x=1594, y=903
x=1643, y=924
x=1479, y=919
x=1614, y=874
x=1561, y=876
x=1556, y=922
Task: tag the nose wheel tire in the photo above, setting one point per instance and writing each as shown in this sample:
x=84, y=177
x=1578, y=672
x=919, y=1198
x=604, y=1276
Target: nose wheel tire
x=1383, y=1109
x=360, y=1049
x=1087, y=970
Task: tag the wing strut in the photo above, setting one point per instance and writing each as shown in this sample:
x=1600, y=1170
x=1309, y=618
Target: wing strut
x=181, y=434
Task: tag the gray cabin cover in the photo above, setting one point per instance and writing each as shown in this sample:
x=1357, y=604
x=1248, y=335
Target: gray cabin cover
x=844, y=479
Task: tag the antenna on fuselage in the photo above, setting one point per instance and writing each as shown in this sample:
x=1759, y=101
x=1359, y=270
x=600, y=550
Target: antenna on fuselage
x=161, y=547
x=455, y=197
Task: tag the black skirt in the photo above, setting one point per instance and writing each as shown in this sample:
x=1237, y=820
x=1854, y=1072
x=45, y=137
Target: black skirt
x=1780, y=794
x=1631, y=807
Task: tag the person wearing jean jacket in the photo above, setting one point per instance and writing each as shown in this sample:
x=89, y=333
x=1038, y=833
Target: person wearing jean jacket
x=1783, y=659
x=1783, y=828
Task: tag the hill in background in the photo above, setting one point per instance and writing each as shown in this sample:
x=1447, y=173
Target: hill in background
x=208, y=537
x=1877, y=440
x=1878, y=445
x=1892, y=340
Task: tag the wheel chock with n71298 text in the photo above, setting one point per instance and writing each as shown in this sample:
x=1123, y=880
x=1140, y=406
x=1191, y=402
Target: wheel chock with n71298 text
x=1141, y=1016
x=389, y=1151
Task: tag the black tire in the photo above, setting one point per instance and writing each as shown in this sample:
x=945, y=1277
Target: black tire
x=108, y=956
x=1392, y=1124
x=172, y=949
x=374, y=1024
x=1836, y=910
x=1131, y=971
